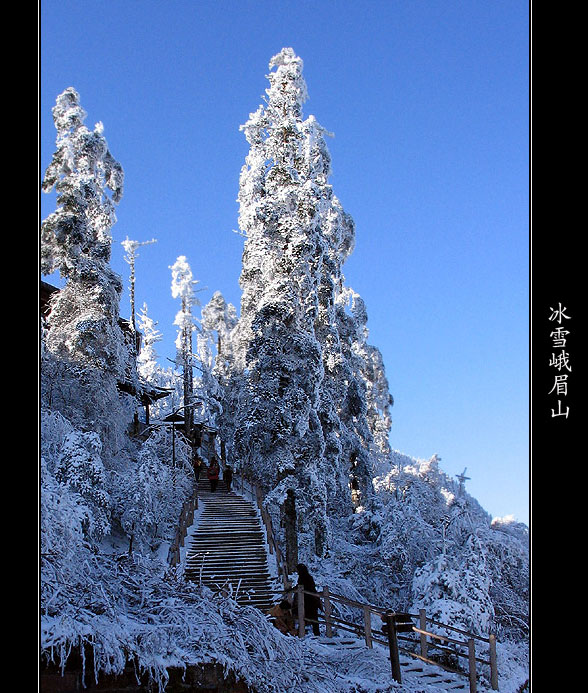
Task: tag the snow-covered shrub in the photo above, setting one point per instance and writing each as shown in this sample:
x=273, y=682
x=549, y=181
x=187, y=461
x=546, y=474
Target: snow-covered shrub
x=507, y=544
x=456, y=590
x=80, y=467
x=148, y=493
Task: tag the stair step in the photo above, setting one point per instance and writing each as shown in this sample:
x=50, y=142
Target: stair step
x=228, y=549
x=223, y=565
x=233, y=579
x=219, y=571
x=251, y=576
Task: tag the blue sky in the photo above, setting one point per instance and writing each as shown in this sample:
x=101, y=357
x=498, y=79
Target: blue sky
x=429, y=105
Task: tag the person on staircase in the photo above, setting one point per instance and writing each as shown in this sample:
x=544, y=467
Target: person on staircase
x=197, y=464
x=282, y=618
x=228, y=478
x=312, y=603
x=213, y=472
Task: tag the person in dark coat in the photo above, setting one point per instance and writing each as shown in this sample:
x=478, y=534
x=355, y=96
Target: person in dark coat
x=228, y=477
x=213, y=472
x=197, y=466
x=312, y=603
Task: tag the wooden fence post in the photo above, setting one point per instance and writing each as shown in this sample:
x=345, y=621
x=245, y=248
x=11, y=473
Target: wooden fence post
x=300, y=593
x=268, y=529
x=423, y=626
x=393, y=645
x=493, y=663
x=472, y=665
x=327, y=605
x=367, y=622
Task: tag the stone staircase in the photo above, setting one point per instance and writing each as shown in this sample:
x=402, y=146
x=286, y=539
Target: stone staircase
x=227, y=550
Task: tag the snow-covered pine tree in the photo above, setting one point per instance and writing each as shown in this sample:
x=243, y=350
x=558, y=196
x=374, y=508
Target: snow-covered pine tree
x=182, y=287
x=147, y=365
x=342, y=408
x=83, y=332
x=278, y=434
x=151, y=371
x=300, y=358
x=131, y=249
x=218, y=319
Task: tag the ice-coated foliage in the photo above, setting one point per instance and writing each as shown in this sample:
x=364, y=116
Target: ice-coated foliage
x=456, y=589
x=299, y=397
x=82, y=170
x=148, y=495
x=147, y=364
x=80, y=467
x=430, y=545
x=300, y=362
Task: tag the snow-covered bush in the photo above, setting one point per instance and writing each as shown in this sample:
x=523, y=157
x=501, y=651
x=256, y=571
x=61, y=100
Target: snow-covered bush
x=80, y=467
x=455, y=589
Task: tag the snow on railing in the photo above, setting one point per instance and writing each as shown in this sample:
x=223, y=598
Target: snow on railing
x=185, y=520
x=399, y=628
x=255, y=493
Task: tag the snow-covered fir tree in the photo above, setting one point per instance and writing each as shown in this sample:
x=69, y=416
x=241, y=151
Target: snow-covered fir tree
x=89, y=461
x=299, y=396
x=218, y=320
x=151, y=371
x=84, y=335
x=301, y=359
x=182, y=287
x=147, y=359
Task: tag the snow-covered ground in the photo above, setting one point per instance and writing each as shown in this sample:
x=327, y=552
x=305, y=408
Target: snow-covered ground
x=343, y=664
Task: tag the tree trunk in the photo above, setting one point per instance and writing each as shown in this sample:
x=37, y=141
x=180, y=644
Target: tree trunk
x=291, y=533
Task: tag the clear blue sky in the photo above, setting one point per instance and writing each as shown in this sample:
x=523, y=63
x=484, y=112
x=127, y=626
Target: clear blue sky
x=429, y=104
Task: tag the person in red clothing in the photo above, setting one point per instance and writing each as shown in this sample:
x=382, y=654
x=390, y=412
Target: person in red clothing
x=213, y=472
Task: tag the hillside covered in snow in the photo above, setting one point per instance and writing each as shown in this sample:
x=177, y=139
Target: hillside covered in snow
x=294, y=395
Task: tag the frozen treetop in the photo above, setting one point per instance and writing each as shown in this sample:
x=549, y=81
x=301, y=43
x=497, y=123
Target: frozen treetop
x=288, y=74
x=67, y=112
x=76, y=238
x=183, y=282
x=69, y=117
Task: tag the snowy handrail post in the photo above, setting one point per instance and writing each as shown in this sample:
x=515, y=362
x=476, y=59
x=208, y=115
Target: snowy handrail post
x=327, y=607
x=367, y=625
x=393, y=646
x=423, y=627
x=300, y=600
x=472, y=665
x=493, y=662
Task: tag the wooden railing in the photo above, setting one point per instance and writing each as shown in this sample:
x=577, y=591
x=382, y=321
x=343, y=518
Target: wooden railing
x=410, y=634
x=185, y=520
x=253, y=490
x=398, y=632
